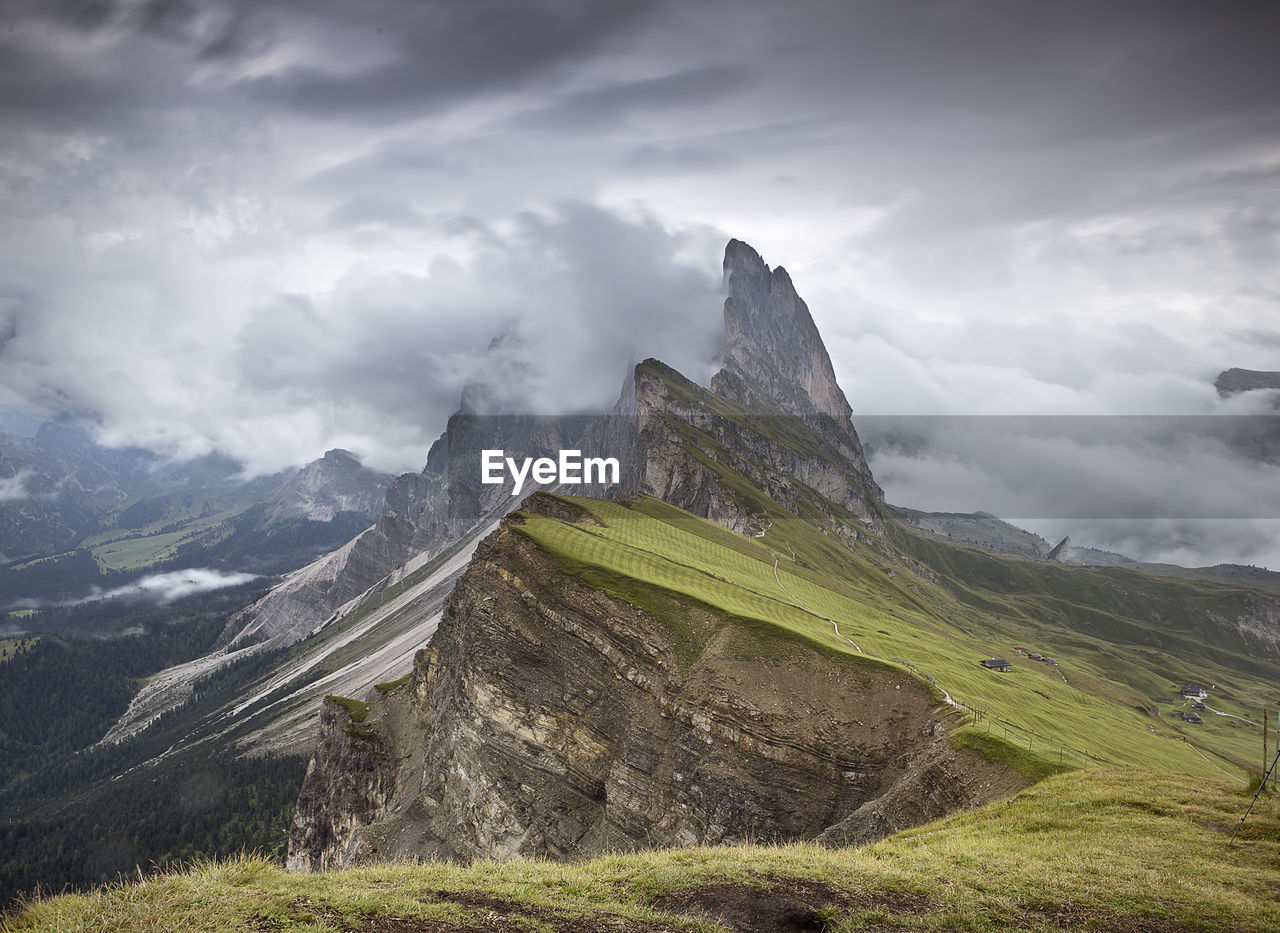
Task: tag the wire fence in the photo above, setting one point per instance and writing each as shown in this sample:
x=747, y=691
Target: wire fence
x=1011, y=732
x=1020, y=735
x=1048, y=748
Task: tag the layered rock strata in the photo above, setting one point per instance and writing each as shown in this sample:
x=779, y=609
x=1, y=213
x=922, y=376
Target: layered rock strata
x=547, y=718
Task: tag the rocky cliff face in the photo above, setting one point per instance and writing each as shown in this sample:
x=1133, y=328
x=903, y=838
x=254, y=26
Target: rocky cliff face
x=775, y=417
x=711, y=457
x=771, y=343
x=547, y=718
x=324, y=488
x=774, y=360
x=422, y=514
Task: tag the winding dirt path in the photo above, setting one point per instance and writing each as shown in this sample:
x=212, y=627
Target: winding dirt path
x=1210, y=709
x=800, y=602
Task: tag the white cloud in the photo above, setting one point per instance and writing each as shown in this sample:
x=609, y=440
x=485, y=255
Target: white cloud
x=12, y=488
x=175, y=584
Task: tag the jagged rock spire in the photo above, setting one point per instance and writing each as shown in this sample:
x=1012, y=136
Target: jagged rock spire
x=774, y=361
x=772, y=344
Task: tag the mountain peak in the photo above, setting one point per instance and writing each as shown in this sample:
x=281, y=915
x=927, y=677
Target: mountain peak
x=771, y=344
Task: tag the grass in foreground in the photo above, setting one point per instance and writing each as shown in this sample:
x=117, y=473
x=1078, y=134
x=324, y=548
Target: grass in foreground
x=1090, y=850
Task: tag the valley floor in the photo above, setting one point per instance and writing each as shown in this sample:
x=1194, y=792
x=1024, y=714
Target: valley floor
x=1115, y=850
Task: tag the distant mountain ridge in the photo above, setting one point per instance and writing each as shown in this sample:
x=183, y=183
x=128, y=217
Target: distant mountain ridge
x=986, y=531
x=74, y=514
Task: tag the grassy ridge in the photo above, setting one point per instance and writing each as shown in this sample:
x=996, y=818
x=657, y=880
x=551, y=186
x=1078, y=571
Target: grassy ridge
x=1090, y=850
x=1125, y=638
x=1077, y=717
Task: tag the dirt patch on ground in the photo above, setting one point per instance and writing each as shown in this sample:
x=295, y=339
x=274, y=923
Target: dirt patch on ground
x=783, y=907
x=495, y=922
x=774, y=906
x=1078, y=917
x=496, y=915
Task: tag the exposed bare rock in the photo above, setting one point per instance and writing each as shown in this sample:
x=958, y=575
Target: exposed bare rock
x=1259, y=620
x=357, y=772
x=322, y=489
x=687, y=438
x=772, y=344
x=774, y=360
x=423, y=513
x=937, y=781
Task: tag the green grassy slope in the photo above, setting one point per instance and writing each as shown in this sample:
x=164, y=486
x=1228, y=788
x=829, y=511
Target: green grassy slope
x=1091, y=710
x=1091, y=850
x=1124, y=639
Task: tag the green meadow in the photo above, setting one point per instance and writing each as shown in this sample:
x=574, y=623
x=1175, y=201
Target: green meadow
x=1092, y=709
x=1098, y=850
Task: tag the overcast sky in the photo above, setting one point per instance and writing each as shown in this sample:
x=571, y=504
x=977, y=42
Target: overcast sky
x=270, y=227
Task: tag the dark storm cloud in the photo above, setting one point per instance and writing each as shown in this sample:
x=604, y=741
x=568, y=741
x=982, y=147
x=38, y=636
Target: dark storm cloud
x=436, y=52
x=1007, y=113
x=545, y=318
x=601, y=107
x=278, y=227
x=366, y=62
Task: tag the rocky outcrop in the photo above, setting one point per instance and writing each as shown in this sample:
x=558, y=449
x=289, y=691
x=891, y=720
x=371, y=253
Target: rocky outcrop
x=357, y=772
x=775, y=421
x=422, y=514
x=774, y=360
x=1234, y=381
x=1061, y=551
x=938, y=780
x=771, y=343
x=710, y=456
x=327, y=487
x=547, y=718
